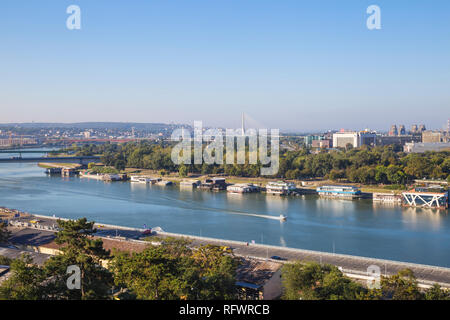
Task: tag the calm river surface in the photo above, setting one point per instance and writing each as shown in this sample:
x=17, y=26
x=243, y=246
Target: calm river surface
x=349, y=227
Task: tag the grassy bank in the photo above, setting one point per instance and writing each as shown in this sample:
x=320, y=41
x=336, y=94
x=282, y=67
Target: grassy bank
x=45, y=165
x=307, y=184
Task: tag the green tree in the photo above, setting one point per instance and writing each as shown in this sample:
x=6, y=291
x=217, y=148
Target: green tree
x=401, y=286
x=217, y=271
x=120, y=165
x=183, y=171
x=153, y=274
x=172, y=271
x=312, y=281
x=81, y=249
x=25, y=282
x=418, y=166
x=437, y=293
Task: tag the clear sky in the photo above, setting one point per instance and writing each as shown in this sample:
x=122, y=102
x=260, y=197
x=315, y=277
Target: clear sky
x=289, y=64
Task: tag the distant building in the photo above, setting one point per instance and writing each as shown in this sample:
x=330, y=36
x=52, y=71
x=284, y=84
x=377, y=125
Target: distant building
x=393, y=130
x=414, y=129
x=321, y=144
x=310, y=138
x=432, y=136
x=258, y=280
x=421, y=147
x=421, y=128
x=356, y=139
x=402, y=130
x=400, y=140
x=17, y=141
x=428, y=197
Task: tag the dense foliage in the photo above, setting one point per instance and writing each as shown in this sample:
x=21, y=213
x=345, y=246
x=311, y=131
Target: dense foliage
x=312, y=281
x=31, y=282
x=170, y=270
x=174, y=271
x=4, y=233
x=377, y=165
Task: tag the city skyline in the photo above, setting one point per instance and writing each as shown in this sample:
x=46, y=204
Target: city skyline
x=293, y=66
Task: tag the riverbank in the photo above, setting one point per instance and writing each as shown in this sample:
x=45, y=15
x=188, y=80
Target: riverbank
x=262, y=181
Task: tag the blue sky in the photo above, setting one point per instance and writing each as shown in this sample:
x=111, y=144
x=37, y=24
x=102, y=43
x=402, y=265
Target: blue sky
x=289, y=64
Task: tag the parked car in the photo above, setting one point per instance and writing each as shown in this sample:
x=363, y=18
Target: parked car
x=277, y=258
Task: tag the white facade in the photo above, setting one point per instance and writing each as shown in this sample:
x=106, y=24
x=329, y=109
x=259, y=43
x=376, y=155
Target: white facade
x=341, y=139
x=356, y=139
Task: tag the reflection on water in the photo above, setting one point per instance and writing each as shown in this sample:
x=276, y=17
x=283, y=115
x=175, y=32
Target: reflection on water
x=413, y=216
x=351, y=227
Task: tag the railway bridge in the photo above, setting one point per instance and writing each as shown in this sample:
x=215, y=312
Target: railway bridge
x=84, y=160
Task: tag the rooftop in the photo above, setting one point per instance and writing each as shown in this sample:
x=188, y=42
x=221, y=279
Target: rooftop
x=256, y=272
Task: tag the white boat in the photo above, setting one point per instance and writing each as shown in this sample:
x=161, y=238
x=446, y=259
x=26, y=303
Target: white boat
x=164, y=183
x=242, y=188
x=141, y=179
x=281, y=188
x=339, y=191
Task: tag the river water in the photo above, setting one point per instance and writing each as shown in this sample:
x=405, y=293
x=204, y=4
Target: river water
x=342, y=226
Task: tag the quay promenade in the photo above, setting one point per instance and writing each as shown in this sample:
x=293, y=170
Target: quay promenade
x=353, y=266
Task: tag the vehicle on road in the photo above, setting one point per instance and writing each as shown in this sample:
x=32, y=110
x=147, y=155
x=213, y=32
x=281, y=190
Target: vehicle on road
x=227, y=249
x=277, y=258
x=147, y=232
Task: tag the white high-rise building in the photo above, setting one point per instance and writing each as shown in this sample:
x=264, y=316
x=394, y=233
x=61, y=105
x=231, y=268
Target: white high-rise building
x=356, y=139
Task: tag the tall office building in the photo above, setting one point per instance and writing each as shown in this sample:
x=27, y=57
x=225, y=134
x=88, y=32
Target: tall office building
x=355, y=139
x=422, y=128
x=402, y=130
x=393, y=131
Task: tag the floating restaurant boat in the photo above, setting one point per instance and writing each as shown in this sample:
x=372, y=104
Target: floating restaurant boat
x=339, y=191
x=53, y=170
x=68, y=172
x=164, y=183
x=428, y=197
x=141, y=179
x=387, y=197
x=190, y=183
x=103, y=176
x=215, y=184
x=242, y=188
x=280, y=188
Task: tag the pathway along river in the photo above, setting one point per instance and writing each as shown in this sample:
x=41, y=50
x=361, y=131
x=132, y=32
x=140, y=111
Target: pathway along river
x=350, y=227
